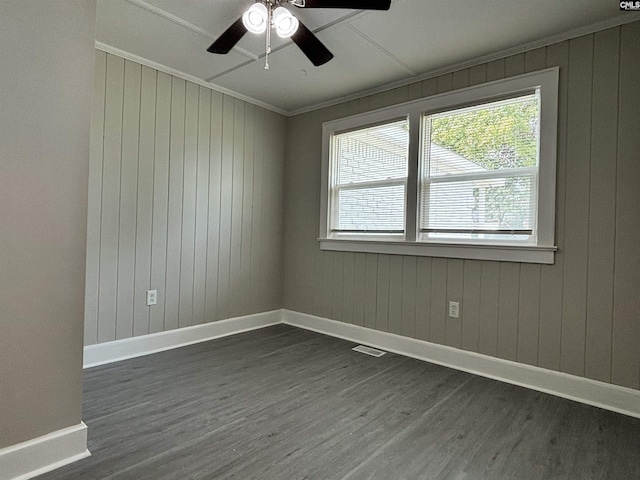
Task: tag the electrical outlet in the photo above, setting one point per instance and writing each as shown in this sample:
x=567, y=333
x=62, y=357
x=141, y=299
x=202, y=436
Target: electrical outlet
x=454, y=309
x=152, y=297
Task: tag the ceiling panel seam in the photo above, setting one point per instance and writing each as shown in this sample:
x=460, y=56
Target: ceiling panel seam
x=185, y=24
x=382, y=49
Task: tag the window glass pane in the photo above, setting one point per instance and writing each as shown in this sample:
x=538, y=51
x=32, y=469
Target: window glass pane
x=491, y=136
x=479, y=171
x=372, y=154
x=479, y=208
x=370, y=210
x=369, y=168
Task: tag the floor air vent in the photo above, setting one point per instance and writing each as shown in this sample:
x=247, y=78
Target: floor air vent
x=369, y=351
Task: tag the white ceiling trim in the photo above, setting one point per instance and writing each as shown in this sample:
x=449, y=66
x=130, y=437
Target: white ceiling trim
x=185, y=76
x=185, y=24
x=588, y=29
x=543, y=42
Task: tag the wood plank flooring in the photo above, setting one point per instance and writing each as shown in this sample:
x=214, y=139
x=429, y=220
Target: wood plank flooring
x=285, y=403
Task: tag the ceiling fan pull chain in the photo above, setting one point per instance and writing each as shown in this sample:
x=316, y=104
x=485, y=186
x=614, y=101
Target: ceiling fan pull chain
x=268, y=35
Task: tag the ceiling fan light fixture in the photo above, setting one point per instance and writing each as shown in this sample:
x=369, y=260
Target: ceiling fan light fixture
x=255, y=19
x=286, y=24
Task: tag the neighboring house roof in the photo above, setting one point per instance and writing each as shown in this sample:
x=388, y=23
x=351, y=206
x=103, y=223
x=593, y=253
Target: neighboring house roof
x=446, y=162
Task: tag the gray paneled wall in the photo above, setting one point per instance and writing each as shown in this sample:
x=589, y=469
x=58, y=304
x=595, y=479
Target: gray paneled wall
x=580, y=315
x=185, y=197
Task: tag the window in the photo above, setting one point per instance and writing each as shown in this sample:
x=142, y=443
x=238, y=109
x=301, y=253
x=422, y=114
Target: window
x=465, y=174
x=368, y=183
x=479, y=172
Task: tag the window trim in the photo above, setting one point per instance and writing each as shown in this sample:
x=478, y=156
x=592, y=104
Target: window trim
x=541, y=252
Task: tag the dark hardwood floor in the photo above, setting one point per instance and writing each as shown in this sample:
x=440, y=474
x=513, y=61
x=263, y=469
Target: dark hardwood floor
x=285, y=403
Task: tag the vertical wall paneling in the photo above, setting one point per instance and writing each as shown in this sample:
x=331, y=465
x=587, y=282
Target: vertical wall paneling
x=247, y=206
x=572, y=353
x=349, y=280
x=508, y=310
x=414, y=93
x=514, y=65
x=172, y=190
x=437, y=331
x=128, y=199
x=453, y=326
x=214, y=232
x=189, y=183
x=174, y=212
x=495, y=69
x=529, y=313
x=144, y=211
x=94, y=209
x=337, y=291
x=278, y=251
x=327, y=284
x=626, y=322
x=535, y=59
x=226, y=192
x=236, y=207
x=382, y=294
x=107, y=294
x=395, y=294
x=401, y=94
x=429, y=87
x=423, y=298
x=471, y=305
x=202, y=203
x=602, y=205
x=460, y=79
x=160, y=200
x=269, y=275
x=409, y=285
x=478, y=74
x=371, y=289
x=358, y=288
x=551, y=276
x=256, y=231
x=444, y=83
x=489, y=304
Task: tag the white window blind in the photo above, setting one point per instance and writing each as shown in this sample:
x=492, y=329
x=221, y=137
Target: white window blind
x=368, y=180
x=479, y=172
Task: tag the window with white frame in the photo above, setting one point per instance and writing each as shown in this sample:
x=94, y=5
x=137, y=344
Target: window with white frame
x=479, y=171
x=368, y=180
x=465, y=174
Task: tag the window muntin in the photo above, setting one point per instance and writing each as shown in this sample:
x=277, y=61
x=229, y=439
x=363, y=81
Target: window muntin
x=479, y=172
x=368, y=180
x=519, y=245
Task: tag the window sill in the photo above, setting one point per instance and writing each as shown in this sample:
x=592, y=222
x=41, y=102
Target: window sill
x=501, y=253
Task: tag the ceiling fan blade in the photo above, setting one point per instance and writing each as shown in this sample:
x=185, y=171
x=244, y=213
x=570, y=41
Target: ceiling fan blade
x=354, y=4
x=229, y=38
x=311, y=46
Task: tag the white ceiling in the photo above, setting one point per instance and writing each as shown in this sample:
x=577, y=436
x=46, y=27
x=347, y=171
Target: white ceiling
x=414, y=38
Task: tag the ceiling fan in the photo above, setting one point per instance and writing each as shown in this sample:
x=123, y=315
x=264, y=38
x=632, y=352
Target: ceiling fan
x=265, y=13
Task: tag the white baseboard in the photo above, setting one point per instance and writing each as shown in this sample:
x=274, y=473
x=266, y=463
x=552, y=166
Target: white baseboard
x=43, y=454
x=600, y=394
x=117, y=350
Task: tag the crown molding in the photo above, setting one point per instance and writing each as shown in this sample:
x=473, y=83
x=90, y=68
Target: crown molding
x=185, y=76
x=616, y=21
